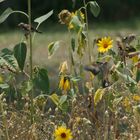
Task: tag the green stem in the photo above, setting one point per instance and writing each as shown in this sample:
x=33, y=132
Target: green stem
x=22, y=13
x=87, y=28
x=31, y=60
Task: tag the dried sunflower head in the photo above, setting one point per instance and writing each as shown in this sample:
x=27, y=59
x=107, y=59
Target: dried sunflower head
x=64, y=17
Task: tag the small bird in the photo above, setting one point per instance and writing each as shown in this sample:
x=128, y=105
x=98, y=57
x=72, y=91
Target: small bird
x=95, y=68
x=128, y=39
x=100, y=67
x=26, y=27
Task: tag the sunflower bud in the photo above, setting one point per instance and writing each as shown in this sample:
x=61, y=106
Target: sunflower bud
x=63, y=67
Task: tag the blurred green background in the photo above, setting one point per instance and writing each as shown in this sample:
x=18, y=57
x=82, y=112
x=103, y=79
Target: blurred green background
x=111, y=10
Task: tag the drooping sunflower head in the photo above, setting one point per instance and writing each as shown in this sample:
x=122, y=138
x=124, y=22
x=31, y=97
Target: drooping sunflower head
x=64, y=17
x=76, y=16
x=62, y=133
x=104, y=44
x=79, y=14
x=64, y=83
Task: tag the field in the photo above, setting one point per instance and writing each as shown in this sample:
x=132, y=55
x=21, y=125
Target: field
x=76, y=81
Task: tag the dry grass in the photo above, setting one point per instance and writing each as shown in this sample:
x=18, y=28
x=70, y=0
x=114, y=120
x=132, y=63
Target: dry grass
x=82, y=118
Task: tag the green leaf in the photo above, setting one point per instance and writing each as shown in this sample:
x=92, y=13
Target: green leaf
x=6, y=51
x=4, y=86
x=75, y=79
x=1, y=1
x=126, y=77
x=5, y=14
x=8, y=60
x=52, y=47
x=98, y=95
x=62, y=99
x=54, y=97
x=26, y=87
x=20, y=51
x=43, y=18
x=76, y=23
x=94, y=8
x=41, y=80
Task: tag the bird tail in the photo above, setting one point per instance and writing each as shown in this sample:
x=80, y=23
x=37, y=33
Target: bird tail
x=38, y=31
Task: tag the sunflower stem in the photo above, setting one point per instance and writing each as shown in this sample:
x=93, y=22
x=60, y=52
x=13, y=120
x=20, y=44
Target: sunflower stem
x=87, y=29
x=31, y=61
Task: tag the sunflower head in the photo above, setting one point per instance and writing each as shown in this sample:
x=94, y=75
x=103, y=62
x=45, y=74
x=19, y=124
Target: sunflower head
x=79, y=15
x=64, y=83
x=104, y=44
x=62, y=133
x=64, y=17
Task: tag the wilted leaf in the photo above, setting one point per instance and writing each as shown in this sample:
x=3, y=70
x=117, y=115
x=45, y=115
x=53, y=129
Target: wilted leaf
x=5, y=14
x=116, y=101
x=52, y=47
x=126, y=77
x=41, y=80
x=54, y=97
x=43, y=18
x=94, y=8
x=98, y=95
x=136, y=109
x=20, y=51
x=62, y=99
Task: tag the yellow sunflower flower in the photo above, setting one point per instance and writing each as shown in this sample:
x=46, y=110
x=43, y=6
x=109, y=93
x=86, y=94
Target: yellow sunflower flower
x=104, y=44
x=136, y=97
x=135, y=59
x=77, y=14
x=62, y=133
x=64, y=83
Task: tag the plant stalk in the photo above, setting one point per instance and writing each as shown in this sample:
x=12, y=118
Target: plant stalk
x=87, y=29
x=4, y=121
x=31, y=60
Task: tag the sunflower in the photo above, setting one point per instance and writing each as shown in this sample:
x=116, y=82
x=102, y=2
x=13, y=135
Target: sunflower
x=136, y=97
x=77, y=14
x=104, y=44
x=62, y=133
x=64, y=17
x=64, y=83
